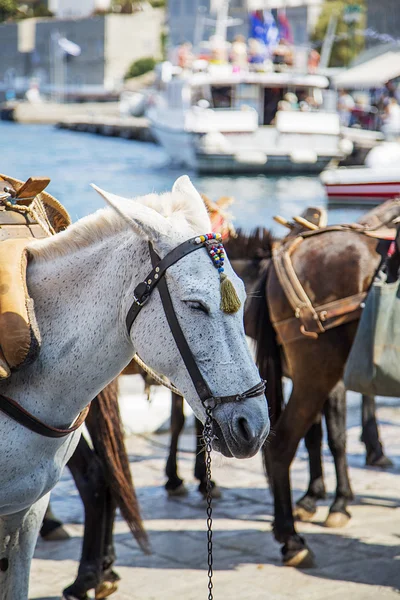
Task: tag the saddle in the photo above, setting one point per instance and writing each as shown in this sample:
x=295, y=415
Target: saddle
x=308, y=320
x=26, y=212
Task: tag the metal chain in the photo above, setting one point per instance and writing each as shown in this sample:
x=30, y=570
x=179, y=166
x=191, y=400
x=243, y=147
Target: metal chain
x=207, y=435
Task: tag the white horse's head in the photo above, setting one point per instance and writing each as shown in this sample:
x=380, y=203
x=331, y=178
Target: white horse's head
x=216, y=339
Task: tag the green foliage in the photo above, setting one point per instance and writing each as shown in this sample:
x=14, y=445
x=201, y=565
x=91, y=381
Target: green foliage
x=8, y=9
x=40, y=10
x=140, y=66
x=158, y=3
x=351, y=43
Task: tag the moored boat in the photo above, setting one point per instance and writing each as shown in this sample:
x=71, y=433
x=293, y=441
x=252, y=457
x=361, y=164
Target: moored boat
x=221, y=121
x=361, y=185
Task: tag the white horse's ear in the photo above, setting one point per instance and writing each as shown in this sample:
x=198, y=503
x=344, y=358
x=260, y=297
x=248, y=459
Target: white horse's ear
x=142, y=219
x=194, y=202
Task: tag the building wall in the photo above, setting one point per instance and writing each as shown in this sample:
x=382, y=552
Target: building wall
x=86, y=69
x=11, y=62
x=109, y=44
x=127, y=38
x=383, y=17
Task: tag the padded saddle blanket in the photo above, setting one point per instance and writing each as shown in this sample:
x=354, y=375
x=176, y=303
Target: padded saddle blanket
x=26, y=212
x=308, y=320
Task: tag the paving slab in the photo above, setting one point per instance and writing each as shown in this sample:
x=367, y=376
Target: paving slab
x=358, y=562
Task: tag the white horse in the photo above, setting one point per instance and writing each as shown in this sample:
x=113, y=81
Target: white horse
x=82, y=283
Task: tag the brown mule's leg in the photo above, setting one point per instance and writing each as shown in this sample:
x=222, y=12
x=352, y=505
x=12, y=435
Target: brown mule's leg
x=370, y=435
x=88, y=475
x=306, y=506
x=335, y=416
x=52, y=529
x=291, y=427
x=175, y=485
x=109, y=585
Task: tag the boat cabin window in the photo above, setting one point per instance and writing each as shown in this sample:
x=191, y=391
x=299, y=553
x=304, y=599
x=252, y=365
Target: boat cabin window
x=247, y=94
x=221, y=96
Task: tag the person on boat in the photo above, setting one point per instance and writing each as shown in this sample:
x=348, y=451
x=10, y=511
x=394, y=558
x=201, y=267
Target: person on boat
x=392, y=117
x=345, y=107
x=239, y=52
x=292, y=100
x=185, y=55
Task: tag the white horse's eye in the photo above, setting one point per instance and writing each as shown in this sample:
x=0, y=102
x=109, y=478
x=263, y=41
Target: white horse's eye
x=197, y=305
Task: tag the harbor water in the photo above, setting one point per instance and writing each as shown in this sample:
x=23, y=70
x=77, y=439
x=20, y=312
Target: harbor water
x=74, y=160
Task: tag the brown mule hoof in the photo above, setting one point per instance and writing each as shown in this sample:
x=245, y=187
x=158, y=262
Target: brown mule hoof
x=181, y=490
x=335, y=520
x=59, y=534
x=216, y=493
x=303, y=559
x=382, y=462
x=301, y=514
x=105, y=589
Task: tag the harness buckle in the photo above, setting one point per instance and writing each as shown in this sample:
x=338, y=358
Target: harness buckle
x=142, y=301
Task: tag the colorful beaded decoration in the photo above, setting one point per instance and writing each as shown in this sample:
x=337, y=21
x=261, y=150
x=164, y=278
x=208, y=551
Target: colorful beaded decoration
x=216, y=251
x=230, y=302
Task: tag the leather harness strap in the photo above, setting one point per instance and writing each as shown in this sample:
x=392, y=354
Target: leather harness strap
x=309, y=320
x=23, y=417
x=294, y=291
x=142, y=291
x=332, y=315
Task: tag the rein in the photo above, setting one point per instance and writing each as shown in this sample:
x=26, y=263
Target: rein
x=142, y=294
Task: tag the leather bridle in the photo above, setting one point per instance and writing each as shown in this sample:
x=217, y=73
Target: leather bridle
x=142, y=292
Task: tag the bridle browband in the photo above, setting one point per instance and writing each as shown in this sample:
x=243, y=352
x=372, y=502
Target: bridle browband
x=142, y=292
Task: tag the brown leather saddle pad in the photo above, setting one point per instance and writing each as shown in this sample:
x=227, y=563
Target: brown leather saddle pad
x=308, y=320
x=26, y=212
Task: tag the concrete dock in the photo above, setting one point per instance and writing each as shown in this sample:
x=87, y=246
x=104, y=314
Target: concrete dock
x=102, y=118
x=132, y=128
x=359, y=562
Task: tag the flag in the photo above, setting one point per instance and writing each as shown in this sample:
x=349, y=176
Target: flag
x=271, y=29
x=69, y=47
x=257, y=29
x=285, y=31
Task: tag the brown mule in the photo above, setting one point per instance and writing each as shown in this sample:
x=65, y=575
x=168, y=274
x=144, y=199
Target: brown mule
x=330, y=266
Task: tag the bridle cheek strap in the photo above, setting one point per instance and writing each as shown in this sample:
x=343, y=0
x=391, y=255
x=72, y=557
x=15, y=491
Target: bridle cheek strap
x=142, y=293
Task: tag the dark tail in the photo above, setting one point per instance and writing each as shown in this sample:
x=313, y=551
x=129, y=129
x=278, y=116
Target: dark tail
x=105, y=427
x=268, y=356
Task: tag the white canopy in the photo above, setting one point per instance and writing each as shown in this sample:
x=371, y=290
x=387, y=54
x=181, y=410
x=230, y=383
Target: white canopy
x=372, y=73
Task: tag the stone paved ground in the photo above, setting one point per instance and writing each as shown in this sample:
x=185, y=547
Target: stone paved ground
x=359, y=562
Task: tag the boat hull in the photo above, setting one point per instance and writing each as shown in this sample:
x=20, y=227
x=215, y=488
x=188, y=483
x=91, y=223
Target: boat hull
x=223, y=164
x=182, y=148
x=367, y=193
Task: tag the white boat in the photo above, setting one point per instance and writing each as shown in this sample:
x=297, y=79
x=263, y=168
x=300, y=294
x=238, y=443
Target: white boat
x=222, y=121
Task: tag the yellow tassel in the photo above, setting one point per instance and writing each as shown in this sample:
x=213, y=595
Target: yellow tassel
x=230, y=302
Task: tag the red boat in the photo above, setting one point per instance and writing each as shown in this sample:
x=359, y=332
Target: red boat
x=362, y=185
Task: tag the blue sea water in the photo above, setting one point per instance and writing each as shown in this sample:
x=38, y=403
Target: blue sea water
x=129, y=168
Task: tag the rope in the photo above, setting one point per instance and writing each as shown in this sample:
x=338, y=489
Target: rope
x=157, y=378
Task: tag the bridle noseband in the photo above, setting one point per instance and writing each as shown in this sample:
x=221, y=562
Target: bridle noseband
x=142, y=294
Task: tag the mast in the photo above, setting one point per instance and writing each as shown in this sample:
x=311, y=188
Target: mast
x=222, y=19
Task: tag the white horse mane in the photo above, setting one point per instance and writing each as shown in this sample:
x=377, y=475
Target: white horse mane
x=183, y=211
